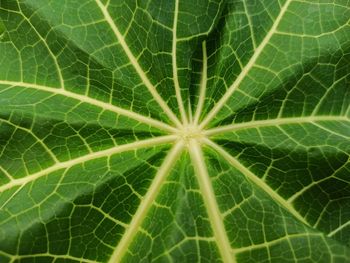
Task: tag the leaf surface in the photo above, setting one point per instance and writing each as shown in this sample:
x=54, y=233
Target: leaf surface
x=174, y=131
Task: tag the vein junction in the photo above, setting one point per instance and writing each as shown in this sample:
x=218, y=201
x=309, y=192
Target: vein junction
x=185, y=136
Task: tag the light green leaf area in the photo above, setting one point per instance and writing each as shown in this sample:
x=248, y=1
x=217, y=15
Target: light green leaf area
x=174, y=131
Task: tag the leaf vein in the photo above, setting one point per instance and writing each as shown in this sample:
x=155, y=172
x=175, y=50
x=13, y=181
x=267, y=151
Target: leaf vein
x=218, y=106
x=256, y=180
x=88, y=157
x=137, y=66
x=98, y=103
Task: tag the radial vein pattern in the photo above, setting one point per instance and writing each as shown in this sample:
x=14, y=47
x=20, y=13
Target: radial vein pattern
x=170, y=131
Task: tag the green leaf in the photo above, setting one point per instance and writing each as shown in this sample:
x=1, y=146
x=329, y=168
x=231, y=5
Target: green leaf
x=175, y=131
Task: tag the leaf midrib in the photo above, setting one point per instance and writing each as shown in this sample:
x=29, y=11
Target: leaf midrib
x=146, y=202
x=88, y=157
x=210, y=202
x=98, y=103
x=256, y=180
x=272, y=122
x=218, y=106
x=137, y=66
x=174, y=66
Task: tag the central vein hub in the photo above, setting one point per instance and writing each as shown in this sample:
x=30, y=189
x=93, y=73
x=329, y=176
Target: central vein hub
x=190, y=131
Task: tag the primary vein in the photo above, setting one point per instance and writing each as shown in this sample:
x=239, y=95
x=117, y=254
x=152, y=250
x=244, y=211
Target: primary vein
x=256, y=180
x=137, y=66
x=246, y=69
x=103, y=105
x=272, y=122
x=174, y=65
x=147, y=202
x=203, y=84
x=210, y=202
x=64, y=165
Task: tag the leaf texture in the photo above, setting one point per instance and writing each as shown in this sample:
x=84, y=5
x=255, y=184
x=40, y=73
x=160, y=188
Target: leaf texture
x=174, y=131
